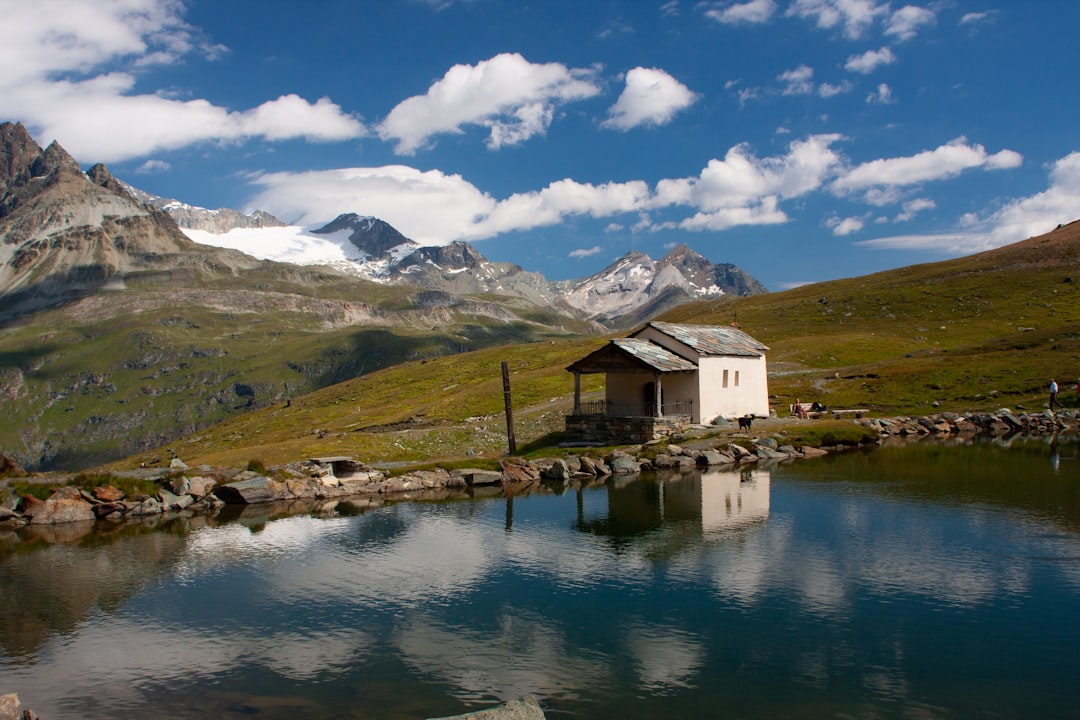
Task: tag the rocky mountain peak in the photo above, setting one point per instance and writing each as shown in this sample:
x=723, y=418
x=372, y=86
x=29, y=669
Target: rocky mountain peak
x=64, y=232
x=635, y=286
x=457, y=255
x=681, y=254
x=100, y=175
x=369, y=235
x=18, y=151
x=54, y=159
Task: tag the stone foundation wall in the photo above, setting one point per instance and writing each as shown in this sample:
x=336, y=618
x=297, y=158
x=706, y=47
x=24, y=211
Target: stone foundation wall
x=620, y=430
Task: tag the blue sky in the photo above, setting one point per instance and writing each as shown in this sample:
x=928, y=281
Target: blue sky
x=802, y=140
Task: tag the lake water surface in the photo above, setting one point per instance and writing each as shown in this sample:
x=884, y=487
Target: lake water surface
x=916, y=582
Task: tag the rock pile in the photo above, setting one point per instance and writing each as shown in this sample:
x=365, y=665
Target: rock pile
x=1002, y=422
x=208, y=489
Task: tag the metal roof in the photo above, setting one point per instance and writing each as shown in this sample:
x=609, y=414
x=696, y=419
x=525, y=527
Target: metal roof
x=654, y=355
x=711, y=339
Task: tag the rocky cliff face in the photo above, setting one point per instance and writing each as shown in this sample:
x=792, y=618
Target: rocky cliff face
x=63, y=231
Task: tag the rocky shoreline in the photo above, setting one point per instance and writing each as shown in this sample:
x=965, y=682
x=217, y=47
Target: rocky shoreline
x=185, y=491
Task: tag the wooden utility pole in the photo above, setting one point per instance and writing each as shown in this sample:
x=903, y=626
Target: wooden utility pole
x=509, y=409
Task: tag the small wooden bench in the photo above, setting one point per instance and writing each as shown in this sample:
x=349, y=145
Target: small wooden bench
x=856, y=412
x=802, y=410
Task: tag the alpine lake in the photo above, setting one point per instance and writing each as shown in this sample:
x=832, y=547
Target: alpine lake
x=916, y=581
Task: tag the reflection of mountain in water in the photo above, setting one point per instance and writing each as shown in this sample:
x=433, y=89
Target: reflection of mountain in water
x=665, y=516
x=52, y=590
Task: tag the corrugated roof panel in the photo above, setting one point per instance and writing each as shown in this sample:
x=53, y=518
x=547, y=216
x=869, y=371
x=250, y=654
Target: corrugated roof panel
x=654, y=355
x=712, y=339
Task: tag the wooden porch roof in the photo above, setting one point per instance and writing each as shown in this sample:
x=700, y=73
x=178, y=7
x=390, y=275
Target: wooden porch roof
x=632, y=355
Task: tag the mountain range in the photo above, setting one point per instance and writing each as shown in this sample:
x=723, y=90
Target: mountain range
x=632, y=288
x=119, y=332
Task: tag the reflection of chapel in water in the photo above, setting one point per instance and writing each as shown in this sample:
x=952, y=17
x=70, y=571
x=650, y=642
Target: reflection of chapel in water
x=698, y=504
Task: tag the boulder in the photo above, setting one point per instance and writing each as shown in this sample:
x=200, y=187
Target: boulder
x=476, y=476
x=146, y=506
x=525, y=709
x=767, y=453
x=664, y=460
x=179, y=485
x=63, y=506
x=516, y=470
x=107, y=494
x=358, y=482
x=557, y=470
x=200, y=486
x=429, y=479
x=172, y=501
x=739, y=452
x=624, y=465
x=712, y=457
x=808, y=451
x=10, y=517
x=399, y=484
x=258, y=489
x=594, y=467
x=106, y=509
x=177, y=464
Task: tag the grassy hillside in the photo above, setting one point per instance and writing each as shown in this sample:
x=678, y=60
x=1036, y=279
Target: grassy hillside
x=170, y=354
x=978, y=332
x=975, y=333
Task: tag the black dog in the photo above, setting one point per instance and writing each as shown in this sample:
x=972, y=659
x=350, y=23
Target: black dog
x=746, y=422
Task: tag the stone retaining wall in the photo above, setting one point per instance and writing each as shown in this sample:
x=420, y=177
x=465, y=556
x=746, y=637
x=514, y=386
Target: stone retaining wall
x=605, y=430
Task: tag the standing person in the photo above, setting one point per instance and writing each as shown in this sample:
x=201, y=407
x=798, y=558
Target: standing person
x=1053, y=394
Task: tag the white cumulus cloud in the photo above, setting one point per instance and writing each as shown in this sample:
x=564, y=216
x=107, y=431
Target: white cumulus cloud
x=585, y=252
x=870, y=61
x=799, y=81
x=436, y=208
x=854, y=16
x=560, y=200
x=651, y=97
x=1037, y=214
x=905, y=22
x=845, y=226
x=913, y=207
x=1016, y=220
x=752, y=12
x=431, y=207
x=58, y=81
x=510, y=96
x=942, y=162
x=743, y=189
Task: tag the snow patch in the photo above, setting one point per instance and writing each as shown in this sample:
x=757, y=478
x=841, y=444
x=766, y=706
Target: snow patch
x=292, y=244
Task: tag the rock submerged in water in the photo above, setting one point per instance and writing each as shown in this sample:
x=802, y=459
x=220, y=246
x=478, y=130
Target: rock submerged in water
x=528, y=708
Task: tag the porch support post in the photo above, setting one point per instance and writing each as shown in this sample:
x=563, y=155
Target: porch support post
x=659, y=395
x=577, y=392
